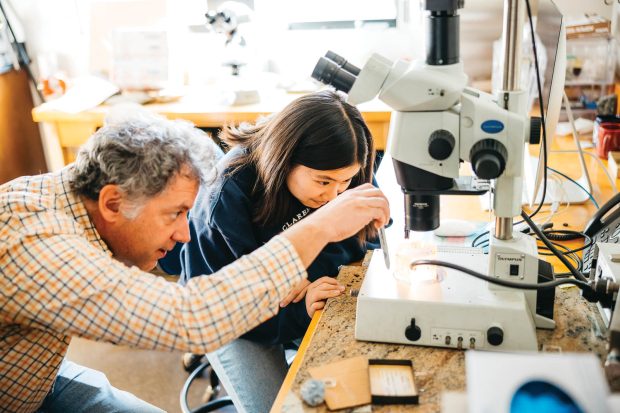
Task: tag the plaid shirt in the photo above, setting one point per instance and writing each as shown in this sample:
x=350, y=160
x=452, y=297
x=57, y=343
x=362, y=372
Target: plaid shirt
x=58, y=279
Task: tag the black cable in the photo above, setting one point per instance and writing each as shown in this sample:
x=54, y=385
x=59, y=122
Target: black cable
x=546, y=226
x=558, y=254
x=498, y=281
x=525, y=231
x=565, y=235
x=555, y=244
x=473, y=243
x=573, y=256
x=570, y=253
x=567, y=253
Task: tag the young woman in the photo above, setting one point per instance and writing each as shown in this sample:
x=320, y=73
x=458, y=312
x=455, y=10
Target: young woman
x=276, y=173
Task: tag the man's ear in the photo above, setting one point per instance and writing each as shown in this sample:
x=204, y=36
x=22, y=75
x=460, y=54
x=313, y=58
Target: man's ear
x=110, y=203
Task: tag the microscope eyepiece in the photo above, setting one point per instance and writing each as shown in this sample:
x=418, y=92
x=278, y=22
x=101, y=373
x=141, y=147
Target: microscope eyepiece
x=342, y=62
x=331, y=73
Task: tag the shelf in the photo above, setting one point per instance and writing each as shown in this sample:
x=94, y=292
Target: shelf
x=587, y=83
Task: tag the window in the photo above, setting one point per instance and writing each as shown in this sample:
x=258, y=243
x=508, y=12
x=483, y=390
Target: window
x=333, y=14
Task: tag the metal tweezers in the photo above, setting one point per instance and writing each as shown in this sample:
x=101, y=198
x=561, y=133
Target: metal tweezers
x=384, y=246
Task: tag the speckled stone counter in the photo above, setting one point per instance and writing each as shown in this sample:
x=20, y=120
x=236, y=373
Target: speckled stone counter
x=579, y=328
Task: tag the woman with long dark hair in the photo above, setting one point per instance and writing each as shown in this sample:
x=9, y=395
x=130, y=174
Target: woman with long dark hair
x=277, y=172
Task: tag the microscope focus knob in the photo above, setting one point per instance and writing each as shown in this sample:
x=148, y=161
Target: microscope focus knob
x=440, y=144
x=495, y=336
x=413, y=332
x=535, y=128
x=488, y=158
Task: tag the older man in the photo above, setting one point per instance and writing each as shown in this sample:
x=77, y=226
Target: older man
x=74, y=246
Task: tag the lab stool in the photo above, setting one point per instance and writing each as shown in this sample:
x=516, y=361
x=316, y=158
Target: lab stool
x=196, y=364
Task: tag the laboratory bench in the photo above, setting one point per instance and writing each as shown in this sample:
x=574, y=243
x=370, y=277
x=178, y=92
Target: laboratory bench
x=330, y=337
x=70, y=130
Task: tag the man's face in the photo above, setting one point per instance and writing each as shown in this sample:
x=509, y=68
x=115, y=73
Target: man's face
x=160, y=224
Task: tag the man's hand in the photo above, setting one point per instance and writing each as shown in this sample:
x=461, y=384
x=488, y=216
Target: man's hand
x=321, y=290
x=296, y=293
x=351, y=211
x=341, y=218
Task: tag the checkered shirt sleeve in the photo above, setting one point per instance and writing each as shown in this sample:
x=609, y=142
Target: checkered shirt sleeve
x=55, y=283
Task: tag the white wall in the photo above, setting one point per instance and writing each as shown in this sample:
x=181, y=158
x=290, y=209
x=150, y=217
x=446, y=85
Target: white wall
x=59, y=32
x=297, y=51
x=55, y=33
x=62, y=28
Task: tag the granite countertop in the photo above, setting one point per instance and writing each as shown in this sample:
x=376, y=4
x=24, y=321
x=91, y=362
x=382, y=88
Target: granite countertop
x=579, y=327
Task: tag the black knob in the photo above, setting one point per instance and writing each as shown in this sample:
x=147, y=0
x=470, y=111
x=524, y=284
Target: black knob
x=488, y=158
x=535, y=128
x=440, y=144
x=413, y=332
x=495, y=336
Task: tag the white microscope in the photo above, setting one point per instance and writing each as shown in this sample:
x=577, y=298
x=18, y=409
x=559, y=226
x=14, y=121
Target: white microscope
x=239, y=89
x=438, y=122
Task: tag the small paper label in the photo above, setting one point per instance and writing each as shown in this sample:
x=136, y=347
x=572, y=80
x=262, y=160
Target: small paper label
x=387, y=380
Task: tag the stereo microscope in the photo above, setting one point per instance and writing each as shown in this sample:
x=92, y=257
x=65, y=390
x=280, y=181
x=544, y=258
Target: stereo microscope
x=438, y=122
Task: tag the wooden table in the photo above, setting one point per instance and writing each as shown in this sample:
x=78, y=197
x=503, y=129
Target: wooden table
x=72, y=130
x=330, y=336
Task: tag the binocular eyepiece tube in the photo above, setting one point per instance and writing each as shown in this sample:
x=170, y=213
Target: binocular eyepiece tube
x=342, y=62
x=336, y=71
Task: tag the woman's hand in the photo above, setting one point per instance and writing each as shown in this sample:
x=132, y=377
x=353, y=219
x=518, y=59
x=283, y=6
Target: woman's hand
x=319, y=291
x=296, y=293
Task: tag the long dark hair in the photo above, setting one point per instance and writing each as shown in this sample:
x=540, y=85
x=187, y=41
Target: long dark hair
x=320, y=131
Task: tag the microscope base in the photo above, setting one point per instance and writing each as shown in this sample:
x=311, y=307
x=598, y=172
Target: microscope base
x=458, y=311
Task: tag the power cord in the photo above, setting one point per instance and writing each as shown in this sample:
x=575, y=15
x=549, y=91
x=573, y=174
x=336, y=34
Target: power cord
x=566, y=252
x=504, y=283
x=567, y=235
x=593, y=291
x=552, y=248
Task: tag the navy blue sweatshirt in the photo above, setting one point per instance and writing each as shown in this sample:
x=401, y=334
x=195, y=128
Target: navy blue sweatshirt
x=222, y=231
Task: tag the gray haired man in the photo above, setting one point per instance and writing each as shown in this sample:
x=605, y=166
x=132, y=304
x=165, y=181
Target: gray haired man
x=74, y=246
